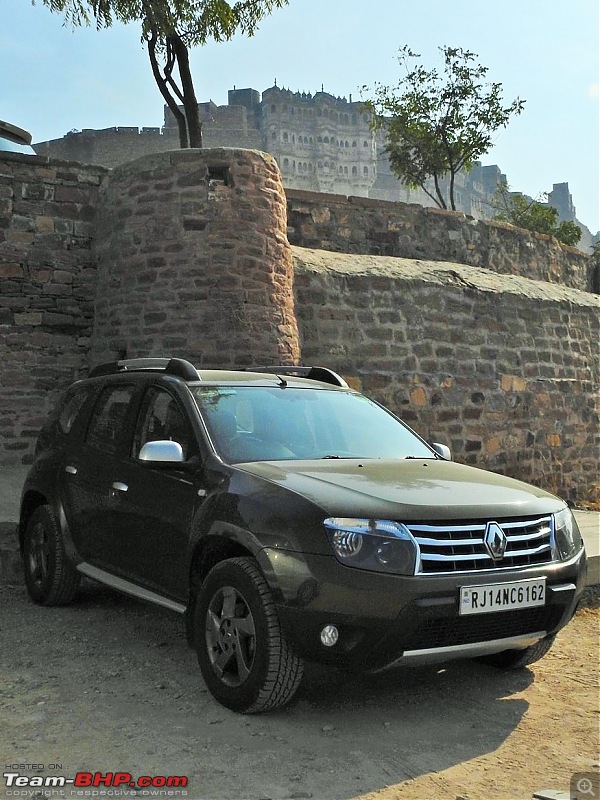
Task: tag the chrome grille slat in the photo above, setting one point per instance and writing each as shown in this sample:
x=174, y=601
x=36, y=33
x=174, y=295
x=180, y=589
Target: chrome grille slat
x=507, y=525
x=452, y=547
x=449, y=542
x=527, y=538
x=479, y=557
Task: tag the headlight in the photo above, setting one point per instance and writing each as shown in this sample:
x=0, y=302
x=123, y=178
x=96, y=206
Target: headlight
x=375, y=544
x=566, y=534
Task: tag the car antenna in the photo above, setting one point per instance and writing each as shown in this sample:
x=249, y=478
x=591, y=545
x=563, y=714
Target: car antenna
x=282, y=381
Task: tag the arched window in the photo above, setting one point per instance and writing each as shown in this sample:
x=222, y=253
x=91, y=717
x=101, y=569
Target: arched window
x=326, y=139
x=286, y=162
x=354, y=171
x=345, y=170
x=353, y=144
x=340, y=169
x=365, y=143
x=366, y=171
x=273, y=109
x=285, y=137
x=320, y=139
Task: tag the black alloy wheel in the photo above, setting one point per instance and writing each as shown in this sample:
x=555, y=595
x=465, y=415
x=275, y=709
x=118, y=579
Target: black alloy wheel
x=51, y=580
x=245, y=660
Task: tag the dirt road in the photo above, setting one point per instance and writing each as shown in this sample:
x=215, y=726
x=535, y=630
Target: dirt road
x=110, y=685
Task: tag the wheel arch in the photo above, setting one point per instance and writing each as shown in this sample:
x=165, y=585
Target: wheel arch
x=222, y=542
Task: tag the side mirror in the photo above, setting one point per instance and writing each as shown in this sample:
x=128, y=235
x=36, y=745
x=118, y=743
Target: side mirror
x=442, y=450
x=162, y=452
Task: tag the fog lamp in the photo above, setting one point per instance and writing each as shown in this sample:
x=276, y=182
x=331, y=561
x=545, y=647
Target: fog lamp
x=329, y=635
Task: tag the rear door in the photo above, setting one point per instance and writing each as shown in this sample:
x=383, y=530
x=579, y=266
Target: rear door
x=91, y=470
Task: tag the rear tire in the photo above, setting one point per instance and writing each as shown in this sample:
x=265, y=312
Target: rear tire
x=51, y=580
x=245, y=660
x=519, y=659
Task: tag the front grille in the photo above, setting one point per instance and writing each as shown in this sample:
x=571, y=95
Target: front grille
x=460, y=546
x=450, y=631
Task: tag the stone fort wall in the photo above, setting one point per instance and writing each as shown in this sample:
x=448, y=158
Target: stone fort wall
x=47, y=290
x=503, y=369
x=376, y=227
x=186, y=254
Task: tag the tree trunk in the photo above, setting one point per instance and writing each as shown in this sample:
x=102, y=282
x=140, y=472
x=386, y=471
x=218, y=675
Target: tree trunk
x=441, y=202
x=190, y=103
x=164, y=90
x=452, y=203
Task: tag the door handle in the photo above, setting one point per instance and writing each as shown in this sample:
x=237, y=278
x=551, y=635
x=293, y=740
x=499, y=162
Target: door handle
x=71, y=470
x=120, y=487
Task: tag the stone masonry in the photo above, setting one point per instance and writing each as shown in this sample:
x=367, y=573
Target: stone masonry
x=47, y=288
x=376, y=227
x=193, y=257
x=505, y=371
x=186, y=253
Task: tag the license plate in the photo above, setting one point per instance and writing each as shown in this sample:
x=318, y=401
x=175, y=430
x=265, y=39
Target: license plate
x=502, y=596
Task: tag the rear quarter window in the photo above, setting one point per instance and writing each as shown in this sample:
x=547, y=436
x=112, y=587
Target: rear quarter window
x=72, y=405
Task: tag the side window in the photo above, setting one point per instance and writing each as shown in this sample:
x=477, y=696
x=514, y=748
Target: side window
x=72, y=406
x=108, y=417
x=161, y=418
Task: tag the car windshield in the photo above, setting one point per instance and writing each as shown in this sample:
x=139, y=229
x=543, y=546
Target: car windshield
x=281, y=424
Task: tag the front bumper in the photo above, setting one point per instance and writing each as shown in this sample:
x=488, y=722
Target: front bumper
x=383, y=619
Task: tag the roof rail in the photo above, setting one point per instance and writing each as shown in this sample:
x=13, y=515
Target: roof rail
x=323, y=374
x=170, y=366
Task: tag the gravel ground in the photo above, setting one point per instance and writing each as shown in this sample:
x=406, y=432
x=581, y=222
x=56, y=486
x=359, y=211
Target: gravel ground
x=109, y=684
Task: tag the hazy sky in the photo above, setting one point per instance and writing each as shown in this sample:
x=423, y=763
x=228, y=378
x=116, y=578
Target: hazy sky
x=545, y=51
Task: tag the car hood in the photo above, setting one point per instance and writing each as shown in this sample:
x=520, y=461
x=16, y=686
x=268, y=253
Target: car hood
x=412, y=489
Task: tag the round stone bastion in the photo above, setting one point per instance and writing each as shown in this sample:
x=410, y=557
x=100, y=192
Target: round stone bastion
x=193, y=261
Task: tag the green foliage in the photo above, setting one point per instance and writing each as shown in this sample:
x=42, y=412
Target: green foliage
x=568, y=233
x=436, y=125
x=169, y=28
x=534, y=215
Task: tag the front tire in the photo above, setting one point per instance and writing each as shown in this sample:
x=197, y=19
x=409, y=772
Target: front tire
x=51, y=580
x=519, y=659
x=245, y=660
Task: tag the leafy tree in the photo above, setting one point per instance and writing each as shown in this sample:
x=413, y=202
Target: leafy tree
x=169, y=29
x=568, y=233
x=436, y=125
x=533, y=215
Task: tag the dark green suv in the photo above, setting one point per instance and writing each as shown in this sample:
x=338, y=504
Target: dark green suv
x=289, y=517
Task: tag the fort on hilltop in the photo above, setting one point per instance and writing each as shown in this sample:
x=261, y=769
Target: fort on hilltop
x=322, y=143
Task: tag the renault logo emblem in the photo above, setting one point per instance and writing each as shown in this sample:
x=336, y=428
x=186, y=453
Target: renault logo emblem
x=495, y=540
